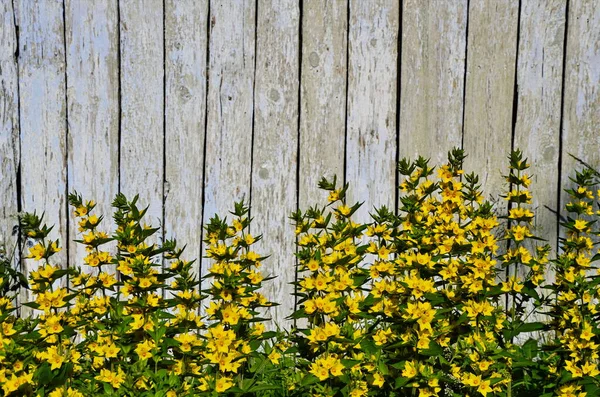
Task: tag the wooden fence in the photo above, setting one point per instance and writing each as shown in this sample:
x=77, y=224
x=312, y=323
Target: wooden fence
x=196, y=103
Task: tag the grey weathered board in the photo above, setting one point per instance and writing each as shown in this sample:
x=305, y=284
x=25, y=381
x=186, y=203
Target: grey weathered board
x=537, y=129
x=372, y=74
x=142, y=144
x=322, y=97
x=581, y=113
x=230, y=108
x=489, y=94
x=42, y=117
x=93, y=109
x=434, y=41
x=9, y=125
x=195, y=104
x=186, y=24
x=275, y=143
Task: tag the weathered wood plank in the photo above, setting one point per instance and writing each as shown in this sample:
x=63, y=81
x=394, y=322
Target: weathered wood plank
x=323, y=96
x=9, y=126
x=372, y=79
x=434, y=38
x=581, y=113
x=230, y=107
x=186, y=41
x=142, y=105
x=93, y=110
x=275, y=146
x=43, y=118
x=491, y=56
x=539, y=79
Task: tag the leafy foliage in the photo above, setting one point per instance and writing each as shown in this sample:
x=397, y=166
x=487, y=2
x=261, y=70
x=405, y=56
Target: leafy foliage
x=442, y=297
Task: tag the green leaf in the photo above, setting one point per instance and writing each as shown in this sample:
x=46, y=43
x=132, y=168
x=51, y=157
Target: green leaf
x=44, y=374
x=262, y=387
x=349, y=363
x=368, y=346
x=401, y=382
x=434, y=350
x=309, y=379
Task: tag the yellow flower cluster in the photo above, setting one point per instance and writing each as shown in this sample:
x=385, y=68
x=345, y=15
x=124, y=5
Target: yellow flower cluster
x=429, y=299
x=577, y=349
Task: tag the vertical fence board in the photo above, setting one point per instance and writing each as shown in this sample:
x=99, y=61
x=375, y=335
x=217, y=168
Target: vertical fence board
x=142, y=105
x=275, y=146
x=371, y=137
x=43, y=118
x=433, y=63
x=185, y=41
x=581, y=117
x=93, y=110
x=9, y=126
x=323, y=96
x=539, y=79
x=230, y=107
x=491, y=56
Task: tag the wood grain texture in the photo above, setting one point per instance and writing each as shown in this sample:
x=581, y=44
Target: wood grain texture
x=539, y=80
x=93, y=110
x=142, y=105
x=186, y=44
x=43, y=118
x=275, y=147
x=372, y=79
x=581, y=117
x=323, y=96
x=230, y=107
x=9, y=126
x=491, y=57
x=433, y=63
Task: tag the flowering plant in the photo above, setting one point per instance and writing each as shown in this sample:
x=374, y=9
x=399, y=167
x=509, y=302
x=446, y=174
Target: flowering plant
x=432, y=299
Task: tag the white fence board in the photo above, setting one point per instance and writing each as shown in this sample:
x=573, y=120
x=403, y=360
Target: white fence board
x=539, y=80
x=230, y=108
x=9, y=125
x=185, y=63
x=371, y=137
x=142, y=105
x=432, y=78
x=43, y=118
x=581, y=114
x=323, y=97
x=491, y=56
x=275, y=146
x=93, y=111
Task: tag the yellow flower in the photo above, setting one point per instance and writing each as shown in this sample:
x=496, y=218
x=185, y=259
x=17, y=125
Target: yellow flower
x=274, y=356
x=230, y=315
x=144, y=282
x=334, y=195
x=223, y=384
x=53, y=357
x=115, y=379
x=47, y=271
x=344, y=210
x=410, y=369
x=37, y=252
x=11, y=384
x=249, y=239
x=581, y=225
x=378, y=380
x=144, y=349
x=484, y=388
x=110, y=350
x=590, y=369
x=319, y=371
